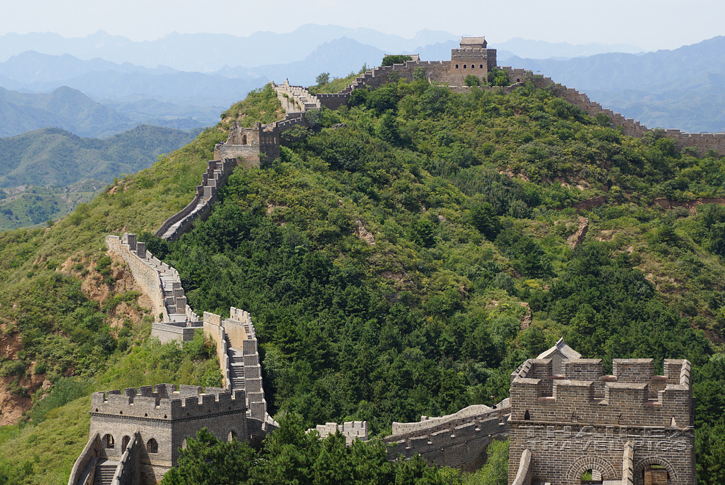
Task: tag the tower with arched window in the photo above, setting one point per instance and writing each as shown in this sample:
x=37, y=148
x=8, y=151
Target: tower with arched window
x=139, y=433
x=572, y=424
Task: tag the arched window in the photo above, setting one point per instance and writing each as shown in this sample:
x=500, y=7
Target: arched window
x=244, y=139
x=481, y=66
x=108, y=441
x=124, y=443
x=232, y=435
x=591, y=477
x=527, y=416
x=152, y=446
x=464, y=66
x=456, y=66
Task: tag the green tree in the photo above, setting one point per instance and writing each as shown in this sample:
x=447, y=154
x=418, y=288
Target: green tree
x=495, y=470
x=498, y=77
x=389, y=60
x=484, y=218
x=472, y=80
x=207, y=460
x=322, y=79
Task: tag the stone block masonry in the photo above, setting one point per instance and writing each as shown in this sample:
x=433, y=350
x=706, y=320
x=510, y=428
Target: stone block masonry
x=615, y=425
x=174, y=318
x=157, y=421
x=351, y=430
x=206, y=195
x=458, y=440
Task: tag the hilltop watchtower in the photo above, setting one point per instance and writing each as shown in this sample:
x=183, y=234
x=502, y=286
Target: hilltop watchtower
x=472, y=57
x=632, y=427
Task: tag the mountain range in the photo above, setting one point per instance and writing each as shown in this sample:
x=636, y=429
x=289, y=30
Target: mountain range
x=682, y=88
x=55, y=157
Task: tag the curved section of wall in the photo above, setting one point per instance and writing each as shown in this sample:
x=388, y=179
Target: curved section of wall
x=84, y=466
x=458, y=444
x=523, y=475
x=630, y=127
x=216, y=175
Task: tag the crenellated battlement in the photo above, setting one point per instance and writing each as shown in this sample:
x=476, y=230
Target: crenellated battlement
x=165, y=402
x=351, y=430
x=633, y=395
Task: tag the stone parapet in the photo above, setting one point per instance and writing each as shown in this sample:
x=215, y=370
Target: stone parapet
x=84, y=466
x=633, y=395
x=523, y=474
x=351, y=430
x=164, y=402
x=473, y=413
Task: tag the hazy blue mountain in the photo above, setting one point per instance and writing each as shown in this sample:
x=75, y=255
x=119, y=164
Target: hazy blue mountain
x=681, y=88
x=33, y=67
x=64, y=108
x=538, y=49
x=160, y=113
x=210, y=52
x=338, y=57
x=55, y=157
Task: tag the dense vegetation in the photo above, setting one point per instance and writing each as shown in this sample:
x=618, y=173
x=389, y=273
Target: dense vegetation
x=389, y=259
x=29, y=205
x=54, y=157
x=428, y=319
x=291, y=455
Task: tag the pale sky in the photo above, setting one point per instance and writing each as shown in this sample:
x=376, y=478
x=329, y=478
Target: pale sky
x=649, y=24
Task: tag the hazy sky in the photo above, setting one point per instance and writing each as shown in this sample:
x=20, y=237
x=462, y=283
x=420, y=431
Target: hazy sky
x=649, y=24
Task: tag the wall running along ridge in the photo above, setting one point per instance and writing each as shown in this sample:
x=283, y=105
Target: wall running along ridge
x=458, y=440
x=173, y=317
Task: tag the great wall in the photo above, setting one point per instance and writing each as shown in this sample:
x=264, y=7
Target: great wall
x=564, y=417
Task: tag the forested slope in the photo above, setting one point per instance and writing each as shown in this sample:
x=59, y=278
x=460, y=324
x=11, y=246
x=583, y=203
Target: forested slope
x=390, y=257
x=390, y=260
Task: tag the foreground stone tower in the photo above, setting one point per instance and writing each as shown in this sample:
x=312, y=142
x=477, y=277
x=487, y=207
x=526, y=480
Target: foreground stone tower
x=136, y=435
x=632, y=427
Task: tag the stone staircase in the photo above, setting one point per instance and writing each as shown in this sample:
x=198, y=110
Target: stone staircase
x=296, y=99
x=104, y=472
x=236, y=368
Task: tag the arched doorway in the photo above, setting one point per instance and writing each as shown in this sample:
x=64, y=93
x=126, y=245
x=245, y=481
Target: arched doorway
x=590, y=466
x=124, y=443
x=232, y=435
x=108, y=441
x=655, y=471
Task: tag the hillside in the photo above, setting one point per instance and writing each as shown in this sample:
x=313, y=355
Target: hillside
x=54, y=157
x=401, y=258
x=680, y=88
x=64, y=108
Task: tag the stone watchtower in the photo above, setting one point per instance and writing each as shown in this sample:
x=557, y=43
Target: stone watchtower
x=632, y=427
x=250, y=146
x=472, y=57
x=136, y=435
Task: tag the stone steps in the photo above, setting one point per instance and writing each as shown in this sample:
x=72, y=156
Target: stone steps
x=236, y=368
x=104, y=472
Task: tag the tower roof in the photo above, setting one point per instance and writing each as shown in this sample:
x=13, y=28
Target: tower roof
x=561, y=348
x=471, y=42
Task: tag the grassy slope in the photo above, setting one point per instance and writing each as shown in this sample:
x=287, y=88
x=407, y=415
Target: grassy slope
x=36, y=297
